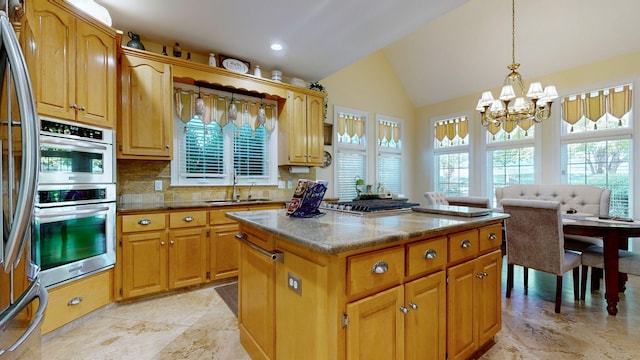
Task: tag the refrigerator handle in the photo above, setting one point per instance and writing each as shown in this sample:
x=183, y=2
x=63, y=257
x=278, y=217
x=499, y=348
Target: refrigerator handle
x=20, y=220
x=36, y=291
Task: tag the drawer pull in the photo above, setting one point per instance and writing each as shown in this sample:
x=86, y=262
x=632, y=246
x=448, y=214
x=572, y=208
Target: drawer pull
x=144, y=222
x=493, y=236
x=413, y=306
x=275, y=256
x=75, y=301
x=380, y=267
x=188, y=218
x=430, y=254
x=404, y=310
x=465, y=244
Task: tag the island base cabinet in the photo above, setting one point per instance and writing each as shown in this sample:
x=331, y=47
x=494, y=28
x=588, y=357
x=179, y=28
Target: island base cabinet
x=425, y=323
x=376, y=326
x=473, y=304
x=256, y=298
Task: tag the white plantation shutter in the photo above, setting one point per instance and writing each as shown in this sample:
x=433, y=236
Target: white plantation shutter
x=250, y=152
x=351, y=166
x=202, y=150
x=389, y=172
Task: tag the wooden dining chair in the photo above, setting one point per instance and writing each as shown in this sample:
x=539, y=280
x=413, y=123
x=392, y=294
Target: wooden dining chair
x=593, y=256
x=535, y=240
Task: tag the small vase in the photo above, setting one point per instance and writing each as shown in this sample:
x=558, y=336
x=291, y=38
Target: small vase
x=257, y=72
x=212, y=59
x=135, y=41
x=177, y=51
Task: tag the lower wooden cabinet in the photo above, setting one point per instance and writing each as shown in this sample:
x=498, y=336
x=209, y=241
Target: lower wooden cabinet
x=187, y=257
x=74, y=300
x=473, y=303
x=224, y=252
x=144, y=263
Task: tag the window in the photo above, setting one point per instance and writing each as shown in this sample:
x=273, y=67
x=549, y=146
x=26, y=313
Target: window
x=451, y=153
x=510, y=155
x=351, y=157
x=596, y=143
x=389, y=155
x=210, y=144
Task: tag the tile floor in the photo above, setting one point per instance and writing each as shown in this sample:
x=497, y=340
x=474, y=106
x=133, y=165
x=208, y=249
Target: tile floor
x=196, y=324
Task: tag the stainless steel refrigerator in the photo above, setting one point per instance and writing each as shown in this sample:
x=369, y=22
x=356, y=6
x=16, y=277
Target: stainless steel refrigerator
x=22, y=299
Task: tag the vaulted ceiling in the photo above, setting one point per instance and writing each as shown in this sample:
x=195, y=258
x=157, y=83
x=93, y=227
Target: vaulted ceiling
x=439, y=49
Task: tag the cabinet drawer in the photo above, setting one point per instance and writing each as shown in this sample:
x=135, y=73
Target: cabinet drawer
x=217, y=217
x=143, y=222
x=187, y=219
x=71, y=301
x=376, y=270
x=463, y=245
x=490, y=237
x=425, y=256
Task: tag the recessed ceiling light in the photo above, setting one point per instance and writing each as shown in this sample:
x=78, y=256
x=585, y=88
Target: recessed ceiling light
x=276, y=47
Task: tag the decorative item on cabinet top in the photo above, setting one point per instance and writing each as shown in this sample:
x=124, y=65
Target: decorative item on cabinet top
x=135, y=41
x=234, y=64
x=212, y=106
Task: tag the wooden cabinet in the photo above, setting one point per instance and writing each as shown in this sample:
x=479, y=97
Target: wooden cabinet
x=301, y=130
x=144, y=122
x=156, y=257
x=72, y=64
x=257, y=321
x=473, y=303
x=431, y=298
x=73, y=300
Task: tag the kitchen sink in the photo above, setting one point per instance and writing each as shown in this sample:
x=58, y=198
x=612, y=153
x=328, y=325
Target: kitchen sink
x=230, y=202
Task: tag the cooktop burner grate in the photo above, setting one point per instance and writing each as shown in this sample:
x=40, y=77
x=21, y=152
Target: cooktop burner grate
x=372, y=206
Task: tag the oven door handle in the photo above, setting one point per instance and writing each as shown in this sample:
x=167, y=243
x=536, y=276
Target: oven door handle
x=76, y=144
x=94, y=210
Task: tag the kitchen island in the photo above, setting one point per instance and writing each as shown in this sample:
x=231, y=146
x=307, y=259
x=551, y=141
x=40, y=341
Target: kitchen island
x=403, y=286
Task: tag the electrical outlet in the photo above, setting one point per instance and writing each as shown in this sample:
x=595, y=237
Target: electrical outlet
x=294, y=283
x=281, y=184
x=289, y=184
x=157, y=184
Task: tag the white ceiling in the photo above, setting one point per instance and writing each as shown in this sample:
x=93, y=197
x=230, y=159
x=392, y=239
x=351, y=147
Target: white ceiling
x=439, y=49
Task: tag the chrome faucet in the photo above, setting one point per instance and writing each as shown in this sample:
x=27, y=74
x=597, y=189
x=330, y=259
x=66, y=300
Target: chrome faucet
x=250, y=187
x=236, y=195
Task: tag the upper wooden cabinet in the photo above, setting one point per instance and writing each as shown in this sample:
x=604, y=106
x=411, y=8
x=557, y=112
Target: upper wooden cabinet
x=144, y=124
x=300, y=130
x=72, y=64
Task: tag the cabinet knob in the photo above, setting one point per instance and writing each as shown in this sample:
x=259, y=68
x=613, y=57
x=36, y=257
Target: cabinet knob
x=81, y=108
x=380, y=267
x=144, y=222
x=482, y=275
x=162, y=243
x=430, y=254
x=465, y=244
x=171, y=242
x=167, y=146
x=413, y=306
x=73, y=106
x=75, y=301
x=404, y=310
x=493, y=236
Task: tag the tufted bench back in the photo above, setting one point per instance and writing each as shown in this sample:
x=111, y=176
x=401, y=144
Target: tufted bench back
x=584, y=198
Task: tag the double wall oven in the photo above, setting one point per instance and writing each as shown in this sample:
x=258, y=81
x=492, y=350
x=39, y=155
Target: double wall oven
x=73, y=232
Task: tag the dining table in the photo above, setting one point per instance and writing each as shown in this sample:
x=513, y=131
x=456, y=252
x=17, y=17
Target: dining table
x=615, y=234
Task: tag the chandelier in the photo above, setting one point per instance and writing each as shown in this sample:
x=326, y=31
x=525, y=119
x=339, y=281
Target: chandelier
x=512, y=109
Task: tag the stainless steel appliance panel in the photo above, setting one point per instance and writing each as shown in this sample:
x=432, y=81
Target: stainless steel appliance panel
x=73, y=241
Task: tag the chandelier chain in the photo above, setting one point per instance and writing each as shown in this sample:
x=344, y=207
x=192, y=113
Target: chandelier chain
x=513, y=31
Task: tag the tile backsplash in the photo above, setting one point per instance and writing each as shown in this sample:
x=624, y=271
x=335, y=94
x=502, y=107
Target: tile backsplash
x=136, y=184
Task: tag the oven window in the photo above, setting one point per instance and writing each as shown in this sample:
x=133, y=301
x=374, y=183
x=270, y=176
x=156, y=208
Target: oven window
x=67, y=241
x=60, y=160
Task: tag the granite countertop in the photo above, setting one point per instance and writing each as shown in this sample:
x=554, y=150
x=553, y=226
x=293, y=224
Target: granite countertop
x=336, y=232
x=177, y=205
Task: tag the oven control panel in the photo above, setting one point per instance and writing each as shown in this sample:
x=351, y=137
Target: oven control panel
x=56, y=127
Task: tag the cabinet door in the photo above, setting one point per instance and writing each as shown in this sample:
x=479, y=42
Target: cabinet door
x=144, y=268
x=489, y=311
x=54, y=53
x=224, y=252
x=376, y=326
x=145, y=130
x=256, y=306
x=315, y=130
x=297, y=121
x=461, y=329
x=425, y=324
x=187, y=257
x=95, y=76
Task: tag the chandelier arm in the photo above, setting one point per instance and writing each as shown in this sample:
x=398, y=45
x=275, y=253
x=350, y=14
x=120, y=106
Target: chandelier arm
x=513, y=31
